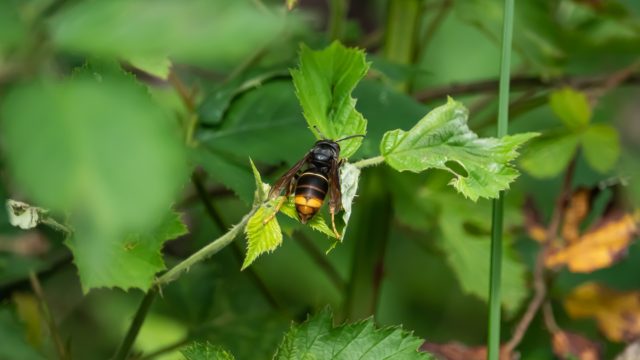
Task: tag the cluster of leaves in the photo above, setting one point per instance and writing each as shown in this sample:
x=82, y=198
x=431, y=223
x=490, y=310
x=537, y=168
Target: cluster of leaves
x=109, y=163
x=548, y=155
x=318, y=338
x=482, y=167
x=602, y=245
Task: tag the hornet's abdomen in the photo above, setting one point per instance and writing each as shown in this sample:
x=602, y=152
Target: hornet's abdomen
x=311, y=189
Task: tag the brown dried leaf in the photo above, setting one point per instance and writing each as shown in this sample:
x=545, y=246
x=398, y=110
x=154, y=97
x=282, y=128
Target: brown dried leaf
x=458, y=351
x=567, y=345
x=533, y=221
x=576, y=211
x=599, y=247
x=617, y=313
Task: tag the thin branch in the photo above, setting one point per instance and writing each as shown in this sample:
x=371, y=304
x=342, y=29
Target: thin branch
x=185, y=94
x=561, y=201
x=206, y=252
x=518, y=83
x=125, y=347
x=46, y=311
x=613, y=81
x=237, y=250
x=59, y=261
x=534, y=305
x=184, y=266
x=549, y=319
x=539, y=281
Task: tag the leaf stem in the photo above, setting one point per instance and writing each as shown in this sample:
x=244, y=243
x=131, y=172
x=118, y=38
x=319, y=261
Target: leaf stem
x=207, y=251
x=493, y=341
x=136, y=324
x=175, y=272
x=52, y=223
x=237, y=250
x=369, y=162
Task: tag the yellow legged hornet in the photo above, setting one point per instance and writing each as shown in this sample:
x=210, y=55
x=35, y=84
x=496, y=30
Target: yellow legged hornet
x=311, y=185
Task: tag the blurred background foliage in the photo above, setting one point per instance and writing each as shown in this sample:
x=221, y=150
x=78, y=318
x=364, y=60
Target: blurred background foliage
x=113, y=112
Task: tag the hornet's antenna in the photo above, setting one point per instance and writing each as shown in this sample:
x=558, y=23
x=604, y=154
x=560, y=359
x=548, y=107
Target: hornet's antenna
x=349, y=137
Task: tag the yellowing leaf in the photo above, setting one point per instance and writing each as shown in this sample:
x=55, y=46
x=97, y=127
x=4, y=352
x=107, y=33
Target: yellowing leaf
x=617, y=313
x=599, y=247
x=572, y=346
x=291, y=4
x=576, y=211
x=29, y=312
x=262, y=237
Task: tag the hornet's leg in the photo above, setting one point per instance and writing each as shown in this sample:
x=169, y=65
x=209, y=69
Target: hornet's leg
x=290, y=189
x=333, y=223
x=278, y=206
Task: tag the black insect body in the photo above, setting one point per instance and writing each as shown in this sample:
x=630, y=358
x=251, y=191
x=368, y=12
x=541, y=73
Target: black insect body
x=312, y=185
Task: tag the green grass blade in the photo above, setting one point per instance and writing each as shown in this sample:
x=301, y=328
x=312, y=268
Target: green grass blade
x=493, y=343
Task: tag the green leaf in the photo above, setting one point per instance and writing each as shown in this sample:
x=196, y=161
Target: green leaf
x=442, y=140
x=571, y=106
x=104, y=154
x=317, y=222
x=262, y=189
x=12, y=28
x=324, y=82
x=268, y=112
x=468, y=254
x=601, y=146
x=156, y=66
x=128, y=29
x=231, y=174
x=548, y=155
x=317, y=338
x=205, y=351
x=262, y=237
x=128, y=262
